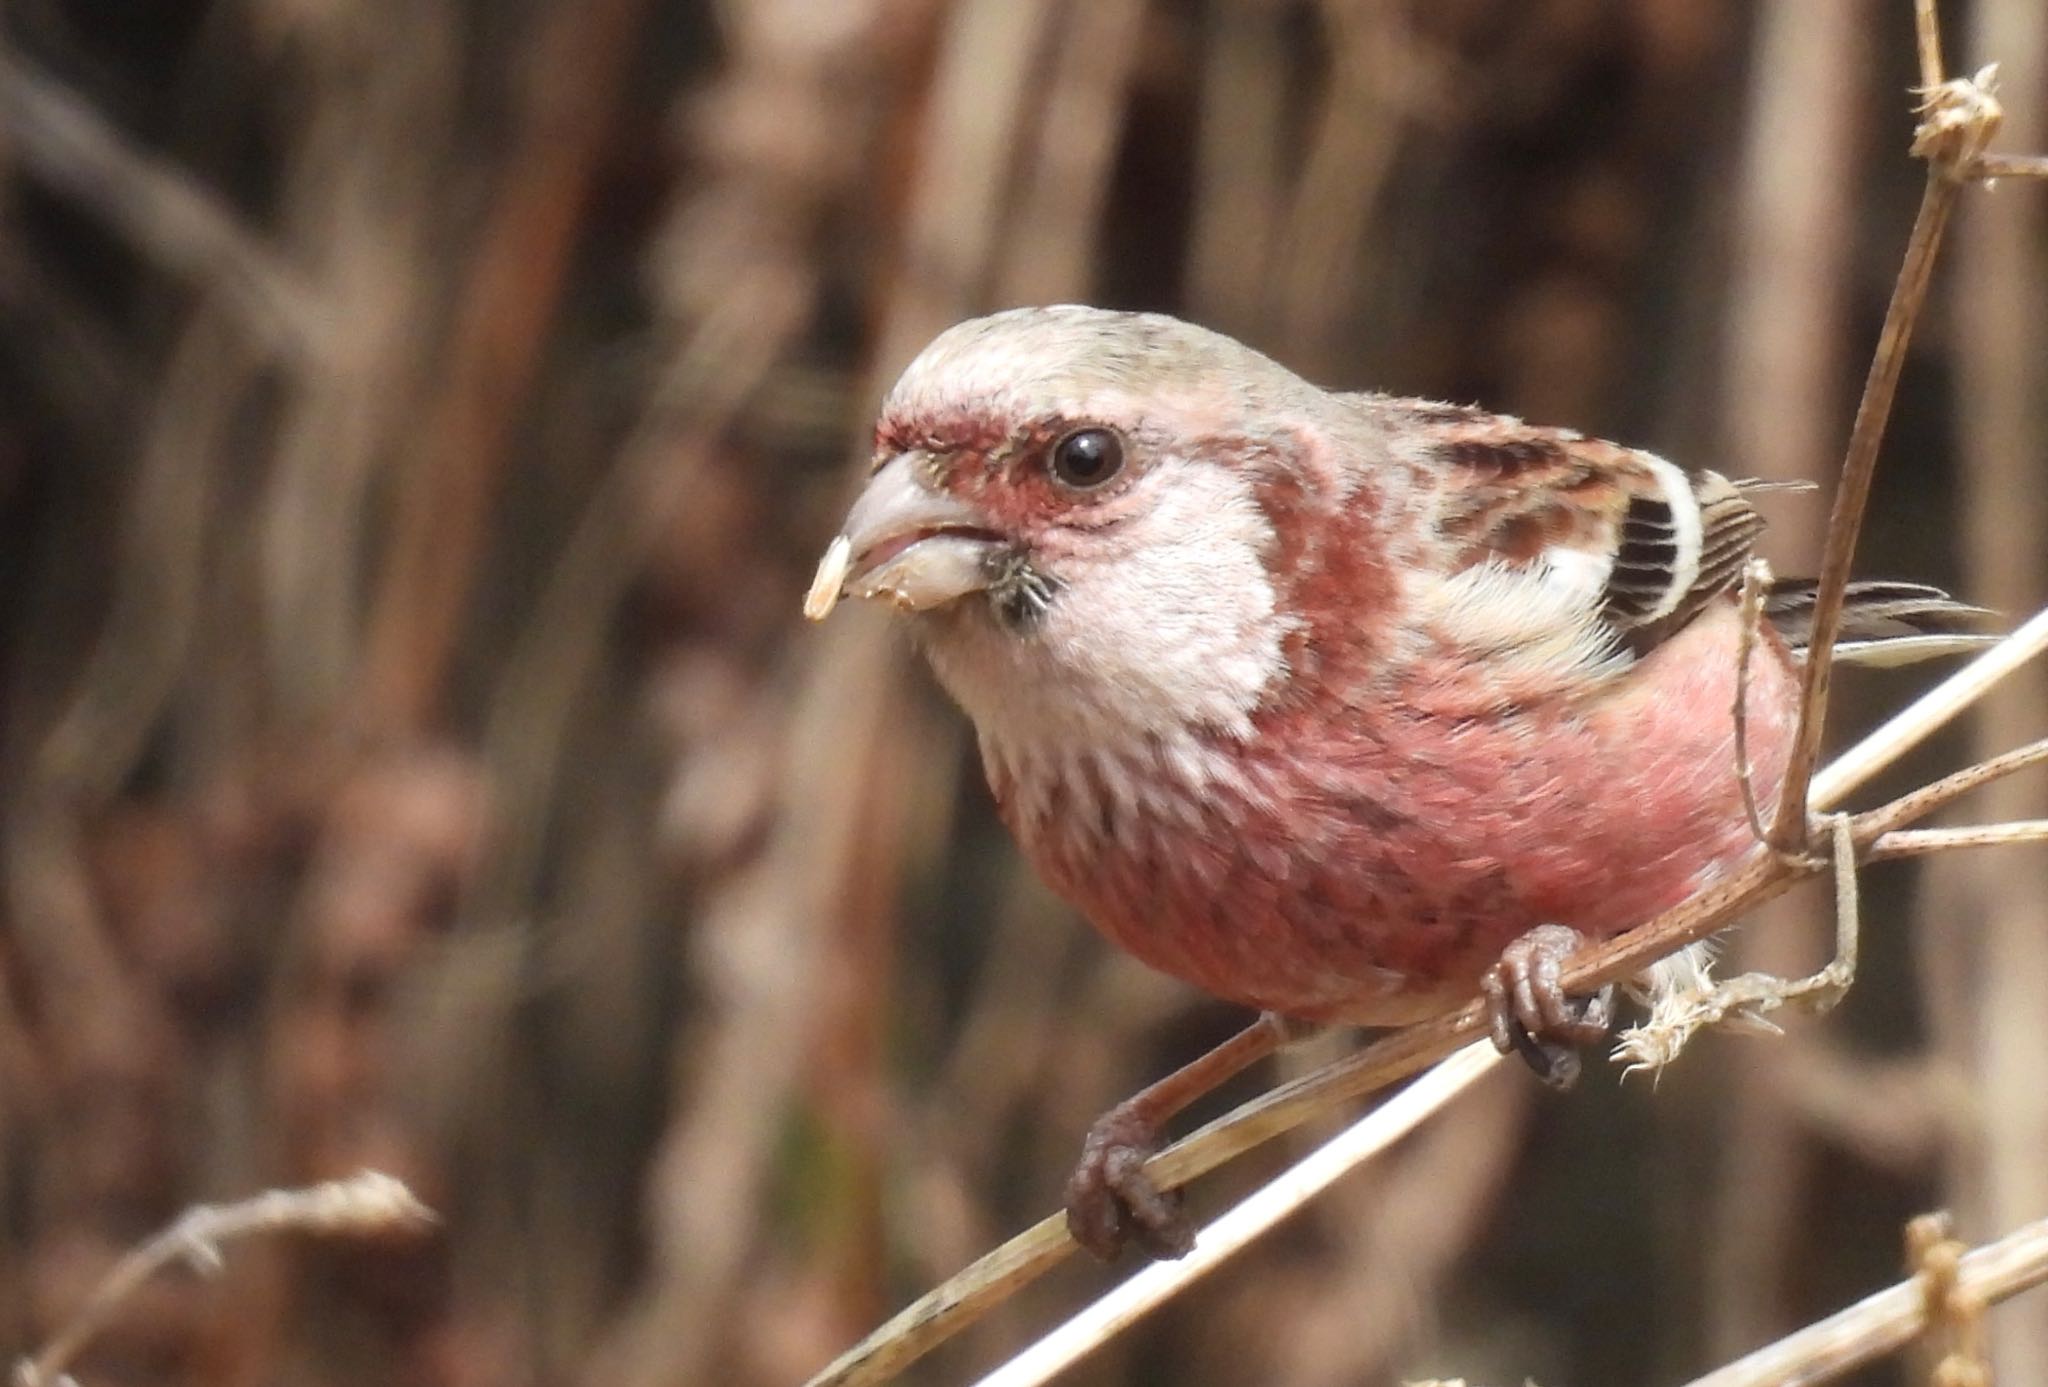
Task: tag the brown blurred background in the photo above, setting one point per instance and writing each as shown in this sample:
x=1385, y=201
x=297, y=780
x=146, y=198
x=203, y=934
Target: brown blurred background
x=417, y=422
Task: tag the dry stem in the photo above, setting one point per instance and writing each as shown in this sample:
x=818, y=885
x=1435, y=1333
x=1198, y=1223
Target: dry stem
x=1233, y=1231
x=1891, y=1319
x=1910, y=726
x=1748, y=1000
x=1921, y=802
x=1959, y=118
x=1756, y=580
x=1918, y=843
x=1987, y=167
x=1927, y=36
x=367, y=1203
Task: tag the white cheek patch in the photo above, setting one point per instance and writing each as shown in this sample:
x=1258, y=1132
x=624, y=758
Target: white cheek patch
x=1163, y=623
x=1183, y=619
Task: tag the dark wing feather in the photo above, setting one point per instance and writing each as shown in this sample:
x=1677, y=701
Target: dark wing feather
x=1666, y=542
x=1878, y=613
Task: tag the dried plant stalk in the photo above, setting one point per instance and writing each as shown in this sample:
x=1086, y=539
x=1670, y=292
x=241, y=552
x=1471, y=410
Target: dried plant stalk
x=1960, y=118
x=369, y=1203
x=1889, y=1320
x=1229, y=1234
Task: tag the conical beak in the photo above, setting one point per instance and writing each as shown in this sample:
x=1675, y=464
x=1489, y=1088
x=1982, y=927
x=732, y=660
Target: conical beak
x=916, y=547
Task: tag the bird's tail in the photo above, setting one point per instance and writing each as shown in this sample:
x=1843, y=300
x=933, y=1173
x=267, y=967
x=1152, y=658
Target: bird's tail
x=1883, y=623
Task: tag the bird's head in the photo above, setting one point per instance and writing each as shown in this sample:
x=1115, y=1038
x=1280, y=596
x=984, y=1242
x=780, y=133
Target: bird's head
x=1093, y=520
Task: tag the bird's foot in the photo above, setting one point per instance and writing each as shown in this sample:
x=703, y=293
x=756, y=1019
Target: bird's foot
x=1530, y=1014
x=1111, y=1201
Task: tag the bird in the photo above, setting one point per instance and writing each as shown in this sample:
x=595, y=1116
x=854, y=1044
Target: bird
x=1341, y=706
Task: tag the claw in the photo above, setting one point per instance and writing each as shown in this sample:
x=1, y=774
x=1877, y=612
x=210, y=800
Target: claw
x=1111, y=1201
x=1528, y=1012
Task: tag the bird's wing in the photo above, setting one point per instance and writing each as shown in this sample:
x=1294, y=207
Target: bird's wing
x=1563, y=558
x=1565, y=553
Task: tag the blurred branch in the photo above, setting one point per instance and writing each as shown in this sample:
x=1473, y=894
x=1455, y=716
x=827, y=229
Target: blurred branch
x=1895, y=1113
x=86, y=368
x=577, y=72
x=1239, y=176
x=363, y=1204
x=364, y=206
x=780, y=134
x=173, y=516
x=161, y=210
x=1891, y=1319
x=1050, y=234
x=723, y=356
x=1350, y=150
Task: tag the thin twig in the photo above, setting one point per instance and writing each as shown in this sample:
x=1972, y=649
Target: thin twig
x=1912, y=724
x=1959, y=117
x=1756, y=579
x=1990, y=166
x=1748, y=1000
x=1889, y=1320
x=1927, y=36
x=1923, y=801
x=1234, y=1230
x=363, y=1204
x=1918, y=842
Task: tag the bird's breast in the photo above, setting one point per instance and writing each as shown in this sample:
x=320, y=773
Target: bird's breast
x=1367, y=868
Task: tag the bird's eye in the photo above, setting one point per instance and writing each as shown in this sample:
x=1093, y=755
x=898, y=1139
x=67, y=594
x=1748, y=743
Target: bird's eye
x=1086, y=458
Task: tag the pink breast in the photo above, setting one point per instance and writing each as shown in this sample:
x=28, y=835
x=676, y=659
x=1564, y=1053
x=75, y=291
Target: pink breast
x=1368, y=868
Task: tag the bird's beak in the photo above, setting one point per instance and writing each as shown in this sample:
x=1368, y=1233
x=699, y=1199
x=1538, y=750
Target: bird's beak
x=903, y=541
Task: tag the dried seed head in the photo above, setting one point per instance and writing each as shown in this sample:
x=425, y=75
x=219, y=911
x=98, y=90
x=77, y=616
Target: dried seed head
x=830, y=579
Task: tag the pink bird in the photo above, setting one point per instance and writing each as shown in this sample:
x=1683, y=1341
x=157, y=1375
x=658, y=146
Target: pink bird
x=1341, y=706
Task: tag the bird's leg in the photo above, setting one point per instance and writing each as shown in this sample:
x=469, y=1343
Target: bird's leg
x=1529, y=1013
x=1110, y=1198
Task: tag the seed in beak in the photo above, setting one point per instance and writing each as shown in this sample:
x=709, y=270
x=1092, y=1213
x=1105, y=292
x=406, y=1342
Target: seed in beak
x=830, y=579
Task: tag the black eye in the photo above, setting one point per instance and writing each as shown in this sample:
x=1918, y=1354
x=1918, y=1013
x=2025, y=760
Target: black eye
x=1087, y=458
